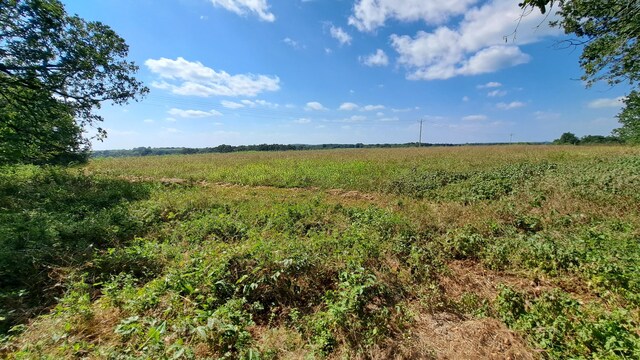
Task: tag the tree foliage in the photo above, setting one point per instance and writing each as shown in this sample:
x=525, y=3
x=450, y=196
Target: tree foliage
x=567, y=138
x=45, y=133
x=55, y=71
x=630, y=119
x=609, y=31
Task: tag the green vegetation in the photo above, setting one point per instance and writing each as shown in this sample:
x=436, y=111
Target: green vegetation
x=607, y=32
x=571, y=139
x=55, y=70
x=337, y=253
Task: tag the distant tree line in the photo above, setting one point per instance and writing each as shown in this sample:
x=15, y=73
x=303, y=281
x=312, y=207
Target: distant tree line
x=149, y=151
x=571, y=139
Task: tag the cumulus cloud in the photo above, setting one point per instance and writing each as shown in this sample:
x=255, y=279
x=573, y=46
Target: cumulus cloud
x=371, y=14
x=302, y=121
x=496, y=93
x=511, y=105
x=188, y=78
x=606, y=102
x=339, y=34
x=493, y=59
x=475, y=46
x=348, y=106
x=314, y=106
x=489, y=85
x=379, y=58
x=257, y=103
x=192, y=113
x=242, y=7
x=294, y=44
x=231, y=104
x=474, y=118
x=373, y=107
x=355, y=118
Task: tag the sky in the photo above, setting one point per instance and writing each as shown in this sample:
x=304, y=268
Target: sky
x=346, y=71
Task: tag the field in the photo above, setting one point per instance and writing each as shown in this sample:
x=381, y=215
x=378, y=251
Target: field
x=520, y=252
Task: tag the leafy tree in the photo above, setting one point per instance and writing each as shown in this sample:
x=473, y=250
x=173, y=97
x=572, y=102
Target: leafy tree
x=26, y=138
x=599, y=139
x=55, y=67
x=609, y=31
x=567, y=138
x=630, y=120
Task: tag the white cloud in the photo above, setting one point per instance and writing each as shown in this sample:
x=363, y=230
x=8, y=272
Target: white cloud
x=242, y=7
x=193, y=113
x=511, y=105
x=314, y=106
x=379, y=58
x=148, y=121
x=492, y=59
x=380, y=114
x=372, y=107
x=489, y=85
x=403, y=110
x=465, y=98
x=294, y=44
x=188, y=78
x=475, y=46
x=302, y=121
x=606, y=102
x=371, y=14
x=249, y=103
x=339, y=34
x=474, y=118
x=496, y=93
x=355, y=118
x=348, y=106
x=231, y=104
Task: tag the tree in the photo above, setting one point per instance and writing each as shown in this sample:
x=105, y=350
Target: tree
x=567, y=138
x=630, y=120
x=25, y=138
x=608, y=30
x=55, y=67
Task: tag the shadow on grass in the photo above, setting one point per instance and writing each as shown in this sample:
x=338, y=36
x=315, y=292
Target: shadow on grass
x=52, y=220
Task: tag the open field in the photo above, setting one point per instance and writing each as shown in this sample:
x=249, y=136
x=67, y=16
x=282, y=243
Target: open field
x=518, y=252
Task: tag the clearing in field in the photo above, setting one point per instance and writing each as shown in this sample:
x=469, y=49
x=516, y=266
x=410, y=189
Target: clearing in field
x=519, y=252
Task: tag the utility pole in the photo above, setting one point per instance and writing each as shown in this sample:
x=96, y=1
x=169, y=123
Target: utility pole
x=511, y=138
x=420, y=139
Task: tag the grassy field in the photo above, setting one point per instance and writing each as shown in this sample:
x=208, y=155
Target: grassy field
x=518, y=252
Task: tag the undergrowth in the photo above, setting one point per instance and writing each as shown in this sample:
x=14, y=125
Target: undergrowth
x=98, y=265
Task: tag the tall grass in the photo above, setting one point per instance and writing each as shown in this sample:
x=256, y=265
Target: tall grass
x=545, y=239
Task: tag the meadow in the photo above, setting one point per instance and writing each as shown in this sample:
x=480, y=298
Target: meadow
x=520, y=252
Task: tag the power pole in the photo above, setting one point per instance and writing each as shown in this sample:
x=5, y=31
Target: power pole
x=511, y=138
x=420, y=139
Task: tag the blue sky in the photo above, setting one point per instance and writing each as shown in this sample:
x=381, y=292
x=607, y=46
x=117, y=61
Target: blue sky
x=319, y=71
